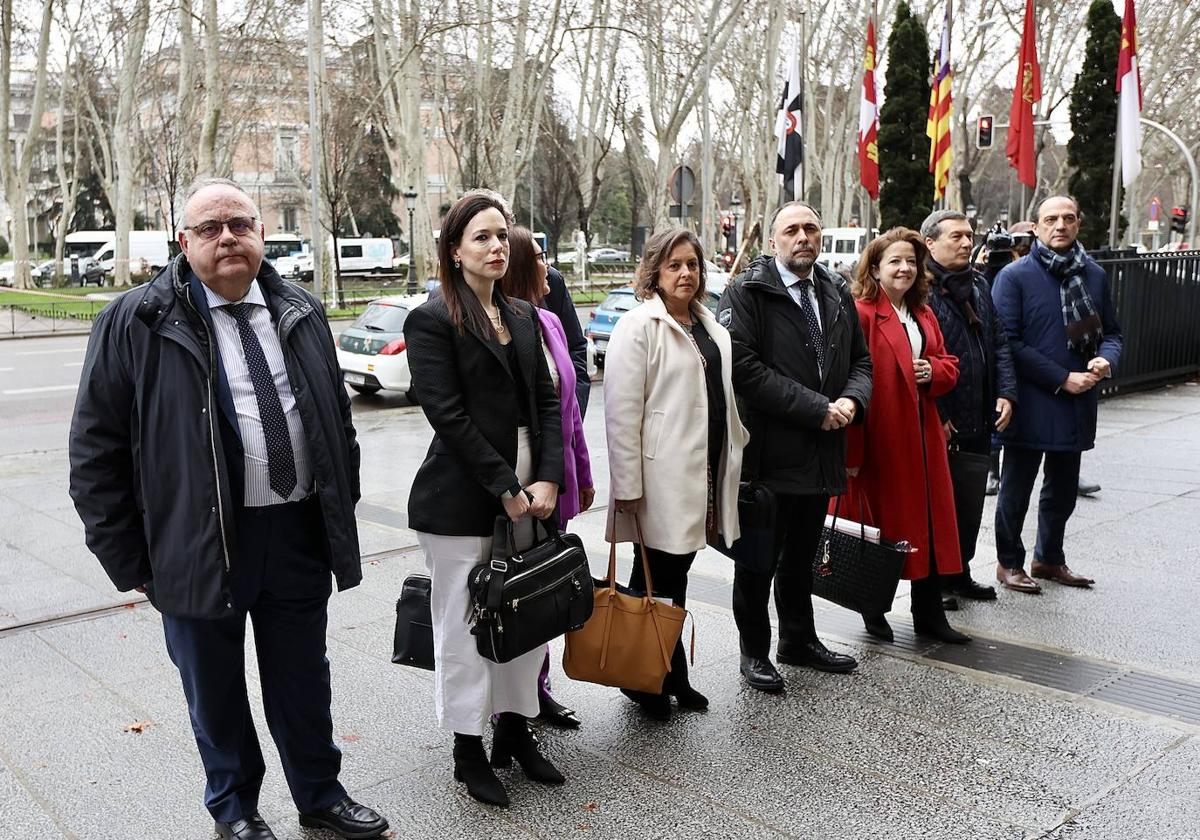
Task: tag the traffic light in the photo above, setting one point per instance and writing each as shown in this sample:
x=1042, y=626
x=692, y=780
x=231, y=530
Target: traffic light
x=983, y=133
x=1179, y=219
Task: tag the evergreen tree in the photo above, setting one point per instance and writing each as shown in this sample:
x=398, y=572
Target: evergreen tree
x=92, y=210
x=370, y=191
x=1094, y=125
x=906, y=184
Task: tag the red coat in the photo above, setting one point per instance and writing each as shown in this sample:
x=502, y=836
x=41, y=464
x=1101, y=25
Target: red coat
x=903, y=481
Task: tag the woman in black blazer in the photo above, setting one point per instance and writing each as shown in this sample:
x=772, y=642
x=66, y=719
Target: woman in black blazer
x=480, y=374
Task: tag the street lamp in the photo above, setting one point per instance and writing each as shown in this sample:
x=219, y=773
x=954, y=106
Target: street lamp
x=410, y=201
x=736, y=210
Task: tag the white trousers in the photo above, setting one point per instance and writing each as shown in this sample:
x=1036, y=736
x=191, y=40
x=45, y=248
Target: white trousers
x=469, y=689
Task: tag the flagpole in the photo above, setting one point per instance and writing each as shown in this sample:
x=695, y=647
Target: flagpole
x=1114, y=209
x=799, y=188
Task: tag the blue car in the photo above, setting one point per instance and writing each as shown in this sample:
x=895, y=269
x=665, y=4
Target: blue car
x=619, y=301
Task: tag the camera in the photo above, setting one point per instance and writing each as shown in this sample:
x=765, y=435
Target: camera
x=999, y=240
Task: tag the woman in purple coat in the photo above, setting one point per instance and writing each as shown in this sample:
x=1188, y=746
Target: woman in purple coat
x=527, y=279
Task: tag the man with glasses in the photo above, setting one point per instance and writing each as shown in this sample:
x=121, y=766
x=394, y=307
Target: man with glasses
x=215, y=467
x=1057, y=308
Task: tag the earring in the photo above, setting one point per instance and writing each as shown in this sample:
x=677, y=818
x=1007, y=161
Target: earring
x=457, y=264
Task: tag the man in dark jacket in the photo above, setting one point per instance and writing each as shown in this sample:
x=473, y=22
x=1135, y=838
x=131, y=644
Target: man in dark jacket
x=986, y=392
x=802, y=371
x=559, y=302
x=1058, y=312
x=215, y=468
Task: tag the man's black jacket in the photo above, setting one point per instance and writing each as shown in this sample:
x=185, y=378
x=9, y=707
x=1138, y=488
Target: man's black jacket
x=775, y=375
x=559, y=302
x=985, y=361
x=150, y=442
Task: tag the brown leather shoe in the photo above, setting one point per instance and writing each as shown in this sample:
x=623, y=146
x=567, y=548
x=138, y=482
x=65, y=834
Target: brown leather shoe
x=1060, y=573
x=1017, y=580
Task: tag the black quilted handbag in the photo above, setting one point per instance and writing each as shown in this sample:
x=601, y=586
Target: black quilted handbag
x=413, y=640
x=521, y=600
x=854, y=572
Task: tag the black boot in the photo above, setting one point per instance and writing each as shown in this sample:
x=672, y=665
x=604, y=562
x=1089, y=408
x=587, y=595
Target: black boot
x=877, y=626
x=514, y=740
x=929, y=616
x=677, y=685
x=471, y=768
x=657, y=706
x=993, y=478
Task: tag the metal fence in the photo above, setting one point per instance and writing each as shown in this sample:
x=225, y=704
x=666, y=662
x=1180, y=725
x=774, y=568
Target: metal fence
x=1157, y=297
x=32, y=319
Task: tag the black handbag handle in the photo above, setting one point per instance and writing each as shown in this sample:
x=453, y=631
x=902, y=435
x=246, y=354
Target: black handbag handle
x=826, y=561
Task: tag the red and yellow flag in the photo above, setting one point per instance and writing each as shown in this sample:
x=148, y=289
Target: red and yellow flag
x=938, y=126
x=1022, y=155
x=868, y=119
x=1129, y=92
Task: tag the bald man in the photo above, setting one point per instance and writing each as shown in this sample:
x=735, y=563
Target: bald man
x=215, y=467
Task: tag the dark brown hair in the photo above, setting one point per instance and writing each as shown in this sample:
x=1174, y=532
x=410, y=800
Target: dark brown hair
x=522, y=280
x=866, y=287
x=658, y=249
x=461, y=302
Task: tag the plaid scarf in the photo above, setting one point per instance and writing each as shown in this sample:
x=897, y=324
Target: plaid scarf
x=1084, y=328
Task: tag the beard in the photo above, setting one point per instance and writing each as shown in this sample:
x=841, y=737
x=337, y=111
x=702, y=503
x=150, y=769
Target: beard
x=799, y=265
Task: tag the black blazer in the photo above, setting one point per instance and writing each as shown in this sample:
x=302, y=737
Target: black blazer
x=469, y=396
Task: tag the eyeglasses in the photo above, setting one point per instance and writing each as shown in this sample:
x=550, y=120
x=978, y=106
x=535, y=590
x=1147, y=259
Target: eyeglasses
x=238, y=226
x=540, y=255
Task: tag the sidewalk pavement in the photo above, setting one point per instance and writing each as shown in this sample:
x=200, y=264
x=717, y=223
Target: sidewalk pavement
x=1075, y=714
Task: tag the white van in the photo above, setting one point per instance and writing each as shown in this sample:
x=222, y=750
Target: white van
x=373, y=255
x=150, y=248
x=843, y=245
x=281, y=245
x=85, y=243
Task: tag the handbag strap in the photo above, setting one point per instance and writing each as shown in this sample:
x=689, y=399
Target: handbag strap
x=612, y=554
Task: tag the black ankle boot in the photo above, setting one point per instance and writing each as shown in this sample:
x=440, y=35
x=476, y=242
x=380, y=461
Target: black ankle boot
x=514, y=740
x=877, y=626
x=657, y=706
x=677, y=685
x=933, y=625
x=471, y=768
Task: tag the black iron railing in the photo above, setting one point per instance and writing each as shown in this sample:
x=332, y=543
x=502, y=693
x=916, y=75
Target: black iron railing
x=1157, y=297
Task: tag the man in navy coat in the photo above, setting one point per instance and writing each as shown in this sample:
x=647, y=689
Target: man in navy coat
x=1056, y=305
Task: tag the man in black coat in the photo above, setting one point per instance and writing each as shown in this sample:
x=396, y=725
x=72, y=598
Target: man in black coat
x=559, y=302
x=802, y=371
x=986, y=393
x=215, y=467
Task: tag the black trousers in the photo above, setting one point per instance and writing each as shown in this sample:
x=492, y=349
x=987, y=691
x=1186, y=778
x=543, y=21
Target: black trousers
x=283, y=586
x=799, y=521
x=1060, y=486
x=968, y=524
x=668, y=573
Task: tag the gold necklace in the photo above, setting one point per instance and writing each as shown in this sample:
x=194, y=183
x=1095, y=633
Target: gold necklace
x=498, y=323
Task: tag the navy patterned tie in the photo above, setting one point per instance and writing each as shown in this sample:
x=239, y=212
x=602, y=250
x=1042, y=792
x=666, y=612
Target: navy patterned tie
x=815, y=336
x=281, y=461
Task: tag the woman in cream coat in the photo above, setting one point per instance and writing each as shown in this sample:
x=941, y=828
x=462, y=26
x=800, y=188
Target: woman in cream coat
x=674, y=436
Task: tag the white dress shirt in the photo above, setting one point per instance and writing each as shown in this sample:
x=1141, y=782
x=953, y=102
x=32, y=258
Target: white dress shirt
x=792, y=283
x=258, y=492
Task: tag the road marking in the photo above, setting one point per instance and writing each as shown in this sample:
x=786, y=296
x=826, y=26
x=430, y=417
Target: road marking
x=48, y=352
x=43, y=389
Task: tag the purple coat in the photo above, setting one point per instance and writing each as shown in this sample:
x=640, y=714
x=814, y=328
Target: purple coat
x=577, y=468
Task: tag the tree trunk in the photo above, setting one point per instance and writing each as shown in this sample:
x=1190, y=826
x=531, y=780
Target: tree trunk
x=124, y=158
x=213, y=92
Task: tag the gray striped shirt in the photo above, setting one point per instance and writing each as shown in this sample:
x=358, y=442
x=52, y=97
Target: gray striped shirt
x=258, y=492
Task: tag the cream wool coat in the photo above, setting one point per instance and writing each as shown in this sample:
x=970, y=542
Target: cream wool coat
x=656, y=420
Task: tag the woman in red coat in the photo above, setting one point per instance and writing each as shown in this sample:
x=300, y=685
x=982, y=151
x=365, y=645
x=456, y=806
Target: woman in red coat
x=897, y=458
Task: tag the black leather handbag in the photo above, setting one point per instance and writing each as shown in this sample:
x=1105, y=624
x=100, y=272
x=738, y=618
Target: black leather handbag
x=755, y=547
x=413, y=640
x=854, y=572
x=521, y=600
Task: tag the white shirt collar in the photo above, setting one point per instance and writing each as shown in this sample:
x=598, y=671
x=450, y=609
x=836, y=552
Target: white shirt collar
x=253, y=295
x=791, y=279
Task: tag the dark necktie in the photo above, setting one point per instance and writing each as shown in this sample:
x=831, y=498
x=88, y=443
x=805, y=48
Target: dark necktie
x=815, y=336
x=281, y=461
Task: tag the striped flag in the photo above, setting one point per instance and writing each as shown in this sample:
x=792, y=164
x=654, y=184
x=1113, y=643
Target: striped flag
x=938, y=126
x=868, y=119
x=789, y=132
x=1129, y=107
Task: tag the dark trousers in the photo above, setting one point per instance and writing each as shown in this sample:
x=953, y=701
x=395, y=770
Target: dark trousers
x=669, y=574
x=970, y=517
x=278, y=580
x=1060, y=483
x=799, y=520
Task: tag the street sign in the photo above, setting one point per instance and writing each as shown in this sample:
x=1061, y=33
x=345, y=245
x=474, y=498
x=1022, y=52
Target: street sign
x=1152, y=224
x=683, y=184
x=676, y=211
x=1155, y=209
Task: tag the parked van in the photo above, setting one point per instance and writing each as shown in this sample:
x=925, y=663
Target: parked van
x=150, y=248
x=85, y=243
x=373, y=255
x=281, y=245
x=843, y=245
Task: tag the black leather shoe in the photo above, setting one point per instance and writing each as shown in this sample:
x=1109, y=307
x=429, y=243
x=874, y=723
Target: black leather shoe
x=816, y=655
x=252, y=827
x=471, y=767
x=950, y=603
x=1088, y=488
x=690, y=698
x=514, y=740
x=556, y=714
x=965, y=586
x=347, y=819
x=761, y=674
x=656, y=706
x=877, y=626
x=939, y=630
